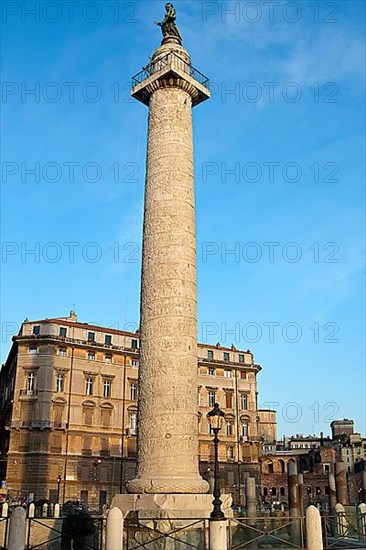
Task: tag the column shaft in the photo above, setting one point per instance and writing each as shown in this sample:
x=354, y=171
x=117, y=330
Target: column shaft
x=167, y=431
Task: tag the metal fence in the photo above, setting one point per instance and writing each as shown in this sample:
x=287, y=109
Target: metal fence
x=272, y=531
x=344, y=530
x=173, y=60
x=160, y=533
x=62, y=533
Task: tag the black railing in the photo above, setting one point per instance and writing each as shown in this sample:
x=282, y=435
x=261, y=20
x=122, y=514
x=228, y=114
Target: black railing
x=159, y=532
x=171, y=59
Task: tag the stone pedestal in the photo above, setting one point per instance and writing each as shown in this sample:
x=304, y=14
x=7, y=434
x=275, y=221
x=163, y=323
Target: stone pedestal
x=173, y=505
x=314, y=536
x=293, y=497
x=114, y=535
x=341, y=483
x=342, y=523
x=332, y=492
x=302, y=493
x=17, y=529
x=159, y=519
x=218, y=535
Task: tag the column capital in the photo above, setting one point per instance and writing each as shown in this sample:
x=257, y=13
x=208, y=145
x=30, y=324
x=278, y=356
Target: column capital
x=170, y=67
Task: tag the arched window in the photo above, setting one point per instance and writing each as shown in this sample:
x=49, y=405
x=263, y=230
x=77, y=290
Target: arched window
x=282, y=491
x=265, y=491
x=270, y=467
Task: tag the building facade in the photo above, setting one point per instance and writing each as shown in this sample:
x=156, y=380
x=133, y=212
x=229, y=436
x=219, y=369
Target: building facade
x=342, y=427
x=69, y=411
x=314, y=465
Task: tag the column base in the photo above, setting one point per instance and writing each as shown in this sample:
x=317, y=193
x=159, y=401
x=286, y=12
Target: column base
x=168, y=485
x=171, y=505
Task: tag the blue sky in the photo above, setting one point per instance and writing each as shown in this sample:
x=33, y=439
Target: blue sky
x=279, y=182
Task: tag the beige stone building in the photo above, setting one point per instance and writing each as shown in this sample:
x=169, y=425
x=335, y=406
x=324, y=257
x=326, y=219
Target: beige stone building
x=69, y=411
x=352, y=450
x=267, y=429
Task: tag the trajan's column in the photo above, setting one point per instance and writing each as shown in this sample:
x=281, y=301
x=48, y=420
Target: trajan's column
x=168, y=426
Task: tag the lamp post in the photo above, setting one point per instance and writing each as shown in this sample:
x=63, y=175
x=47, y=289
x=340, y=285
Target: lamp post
x=58, y=488
x=215, y=418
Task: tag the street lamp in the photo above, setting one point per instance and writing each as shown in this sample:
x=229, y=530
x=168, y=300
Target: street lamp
x=58, y=487
x=215, y=418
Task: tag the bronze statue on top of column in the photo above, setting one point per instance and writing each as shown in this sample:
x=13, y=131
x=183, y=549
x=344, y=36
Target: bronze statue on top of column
x=168, y=25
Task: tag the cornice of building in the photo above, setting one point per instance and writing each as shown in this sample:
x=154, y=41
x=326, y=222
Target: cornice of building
x=68, y=322
x=85, y=326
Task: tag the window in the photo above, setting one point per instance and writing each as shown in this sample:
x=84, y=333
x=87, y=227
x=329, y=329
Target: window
x=106, y=418
x=108, y=340
x=226, y=356
x=134, y=344
x=282, y=491
x=211, y=372
x=91, y=336
x=133, y=392
x=241, y=358
x=107, y=388
x=134, y=363
x=88, y=416
x=30, y=382
x=133, y=423
x=270, y=468
x=58, y=411
x=229, y=399
x=63, y=332
x=229, y=427
x=265, y=491
x=36, y=330
x=91, y=355
x=211, y=398
x=62, y=352
x=89, y=386
x=108, y=358
x=33, y=350
x=244, y=429
x=274, y=491
x=227, y=373
x=60, y=383
x=230, y=453
x=244, y=401
x=210, y=354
